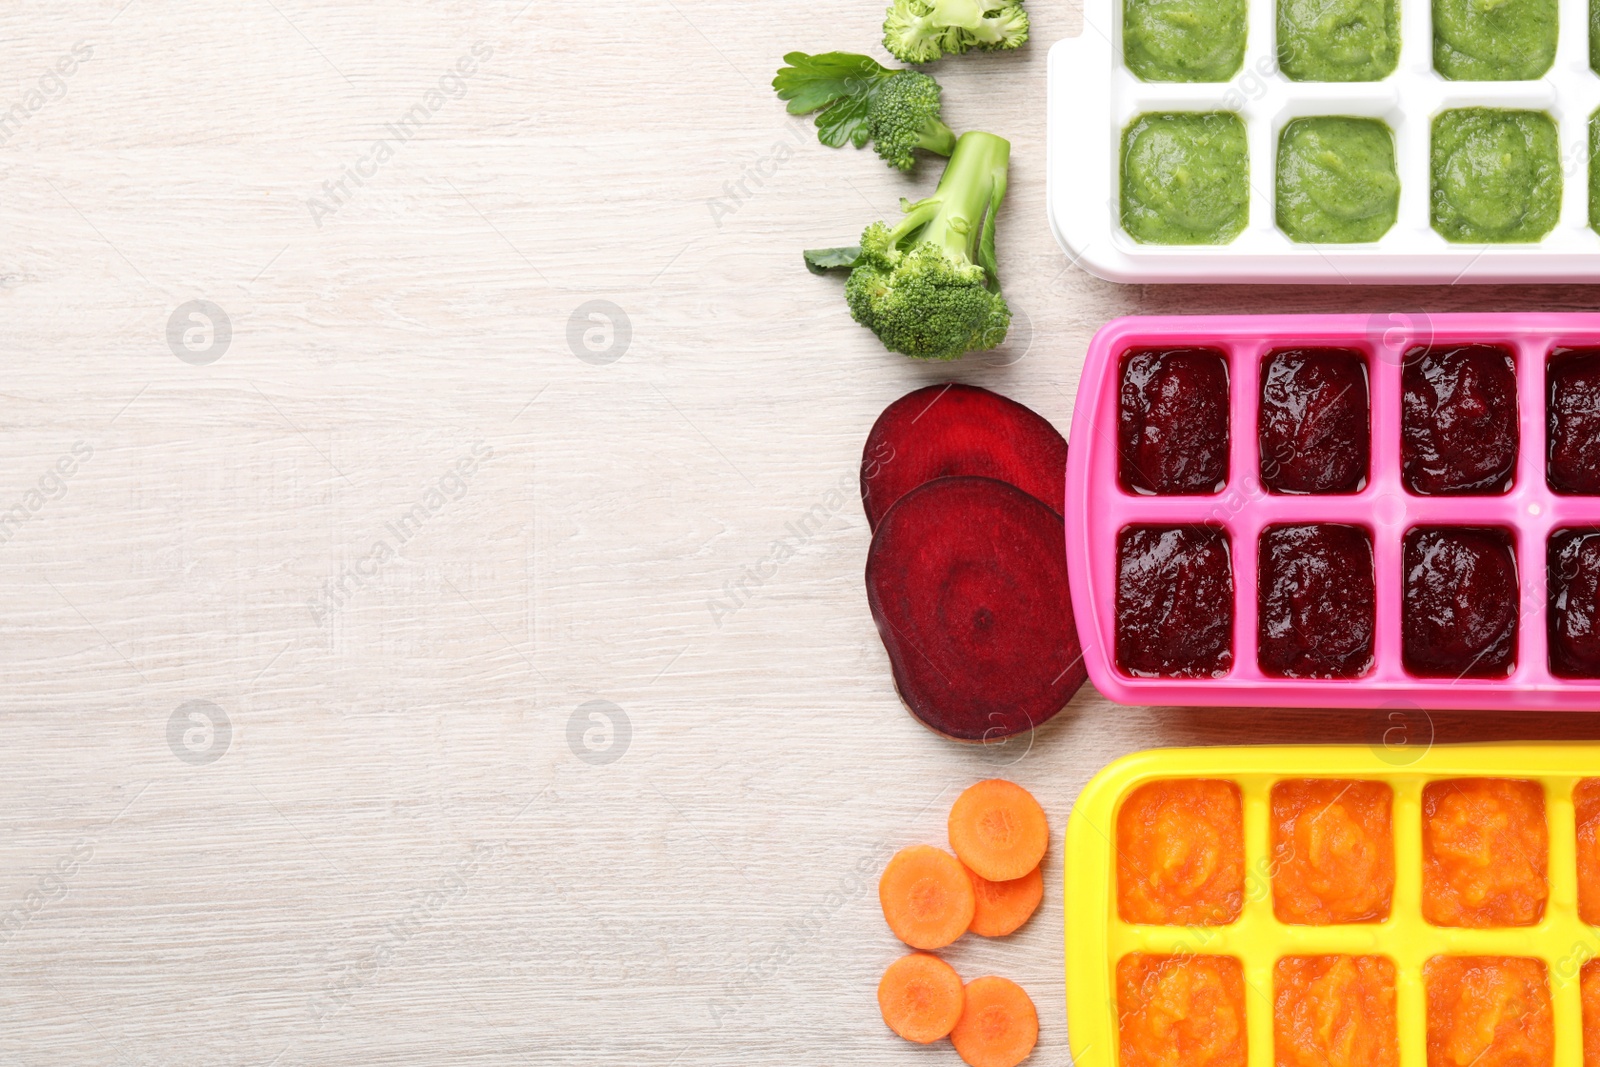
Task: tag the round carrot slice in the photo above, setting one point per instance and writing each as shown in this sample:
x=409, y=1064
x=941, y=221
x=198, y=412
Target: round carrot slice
x=998, y=830
x=1002, y=907
x=999, y=1025
x=926, y=896
x=921, y=997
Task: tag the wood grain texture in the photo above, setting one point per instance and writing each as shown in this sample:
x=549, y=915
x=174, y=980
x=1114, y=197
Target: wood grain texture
x=398, y=856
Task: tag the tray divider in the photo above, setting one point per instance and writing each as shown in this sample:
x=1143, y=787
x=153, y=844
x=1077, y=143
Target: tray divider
x=1535, y=510
x=1244, y=540
x=1258, y=956
x=1411, y=1008
x=1567, y=1018
x=1416, y=40
x=1568, y=943
x=1388, y=339
x=1414, y=147
x=1405, y=914
x=1561, y=818
x=1258, y=1010
x=1572, y=134
x=1244, y=520
x=1262, y=164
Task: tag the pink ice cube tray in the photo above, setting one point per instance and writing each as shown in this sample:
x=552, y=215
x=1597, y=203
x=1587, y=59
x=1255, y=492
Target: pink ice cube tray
x=1099, y=508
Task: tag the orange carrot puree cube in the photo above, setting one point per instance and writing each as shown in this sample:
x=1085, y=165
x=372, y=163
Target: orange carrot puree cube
x=1181, y=1011
x=1335, y=1011
x=1332, y=851
x=1180, y=853
x=1488, y=1011
x=1485, y=852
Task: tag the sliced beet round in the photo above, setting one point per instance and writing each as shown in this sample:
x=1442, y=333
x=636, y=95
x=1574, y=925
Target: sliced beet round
x=952, y=429
x=967, y=580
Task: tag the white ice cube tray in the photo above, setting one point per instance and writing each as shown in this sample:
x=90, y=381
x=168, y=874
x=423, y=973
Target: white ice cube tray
x=1093, y=96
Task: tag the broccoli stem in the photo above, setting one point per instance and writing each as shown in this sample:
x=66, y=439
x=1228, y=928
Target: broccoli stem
x=967, y=14
x=937, y=138
x=959, y=213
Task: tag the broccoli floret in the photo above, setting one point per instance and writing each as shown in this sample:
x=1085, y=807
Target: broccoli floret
x=928, y=287
x=920, y=31
x=905, y=116
x=860, y=100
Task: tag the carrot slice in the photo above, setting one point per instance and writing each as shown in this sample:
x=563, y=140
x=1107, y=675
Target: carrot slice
x=999, y=1025
x=926, y=897
x=1002, y=907
x=998, y=830
x=921, y=997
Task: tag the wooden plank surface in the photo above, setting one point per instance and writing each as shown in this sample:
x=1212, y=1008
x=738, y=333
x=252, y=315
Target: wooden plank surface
x=301, y=634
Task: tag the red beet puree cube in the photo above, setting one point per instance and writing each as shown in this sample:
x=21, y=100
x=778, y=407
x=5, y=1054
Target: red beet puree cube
x=1461, y=597
x=1574, y=581
x=1174, y=602
x=1573, y=381
x=1317, y=602
x=1172, y=431
x=1315, y=431
x=1458, y=418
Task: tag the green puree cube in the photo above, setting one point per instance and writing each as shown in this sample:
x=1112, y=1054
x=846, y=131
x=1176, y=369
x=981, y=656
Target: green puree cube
x=1183, y=40
x=1336, y=180
x=1496, y=175
x=1594, y=36
x=1338, y=40
x=1594, y=172
x=1185, y=178
x=1494, y=40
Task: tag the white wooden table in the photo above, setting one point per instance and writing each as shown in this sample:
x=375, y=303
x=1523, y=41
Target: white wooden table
x=301, y=626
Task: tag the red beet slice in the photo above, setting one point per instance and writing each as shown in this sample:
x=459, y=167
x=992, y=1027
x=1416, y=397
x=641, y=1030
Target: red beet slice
x=967, y=580
x=952, y=429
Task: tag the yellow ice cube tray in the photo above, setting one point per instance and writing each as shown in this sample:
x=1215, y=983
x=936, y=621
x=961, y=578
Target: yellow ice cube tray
x=1096, y=937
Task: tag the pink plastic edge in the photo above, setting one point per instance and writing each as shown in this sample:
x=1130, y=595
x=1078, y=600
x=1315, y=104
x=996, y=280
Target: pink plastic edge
x=1096, y=511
